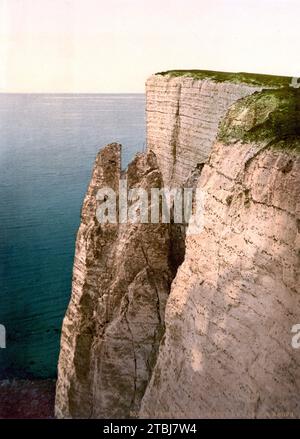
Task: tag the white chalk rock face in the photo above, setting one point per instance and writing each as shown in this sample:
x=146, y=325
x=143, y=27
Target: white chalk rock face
x=227, y=350
x=220, y=344
x=183, y=115
x=115, y=319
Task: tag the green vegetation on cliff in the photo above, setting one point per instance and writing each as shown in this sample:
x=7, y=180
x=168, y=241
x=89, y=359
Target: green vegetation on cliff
x=254, y=79
x=272, y=115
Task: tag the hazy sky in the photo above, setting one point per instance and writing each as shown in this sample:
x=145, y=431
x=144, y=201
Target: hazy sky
x=114, y=45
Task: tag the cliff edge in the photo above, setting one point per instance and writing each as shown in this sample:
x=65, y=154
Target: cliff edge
x=227, y=349
x=167, y=324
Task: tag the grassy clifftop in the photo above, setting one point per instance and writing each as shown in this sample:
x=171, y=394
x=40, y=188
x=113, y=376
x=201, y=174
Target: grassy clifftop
x=246, y=78
x=272, y=115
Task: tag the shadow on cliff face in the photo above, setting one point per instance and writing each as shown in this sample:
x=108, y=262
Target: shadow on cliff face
x=178, y=231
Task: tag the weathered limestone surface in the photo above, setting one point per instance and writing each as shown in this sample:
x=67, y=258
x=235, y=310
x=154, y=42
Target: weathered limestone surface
x=182, y=120
x=115, y=318
x=226, y=351
x=227, y=347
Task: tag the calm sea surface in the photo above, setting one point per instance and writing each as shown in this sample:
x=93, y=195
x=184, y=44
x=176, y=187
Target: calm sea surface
x=48, y=144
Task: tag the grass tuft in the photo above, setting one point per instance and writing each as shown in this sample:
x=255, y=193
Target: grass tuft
x=269, y=115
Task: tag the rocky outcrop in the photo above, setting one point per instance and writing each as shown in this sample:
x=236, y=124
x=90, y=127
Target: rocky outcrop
x=226, y=351
x=183, y=114
x=227, y=347
x=115, y=319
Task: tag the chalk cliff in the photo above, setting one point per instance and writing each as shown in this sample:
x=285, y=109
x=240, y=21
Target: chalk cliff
x=184, y=110
x=115, y=319
x=223, y=346
x=182, y=120
x=227, y=347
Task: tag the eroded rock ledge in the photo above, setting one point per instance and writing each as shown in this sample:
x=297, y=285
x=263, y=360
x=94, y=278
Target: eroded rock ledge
x=226, y=351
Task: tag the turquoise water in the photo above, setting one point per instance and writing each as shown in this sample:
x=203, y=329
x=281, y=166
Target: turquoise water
x=48, y=145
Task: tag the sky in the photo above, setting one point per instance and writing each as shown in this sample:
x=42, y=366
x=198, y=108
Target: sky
x=112, y=46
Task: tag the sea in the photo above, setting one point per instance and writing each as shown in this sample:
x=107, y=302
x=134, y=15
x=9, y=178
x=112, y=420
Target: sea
x=48, y=144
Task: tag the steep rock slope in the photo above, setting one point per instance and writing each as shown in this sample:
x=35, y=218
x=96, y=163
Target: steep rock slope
x=115, y=318
x=227, y=347
x=182, y=120
x=184, y=108
x=123, y=272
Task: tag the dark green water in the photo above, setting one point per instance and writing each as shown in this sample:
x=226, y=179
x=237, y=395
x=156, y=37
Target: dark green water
x=48, y=145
